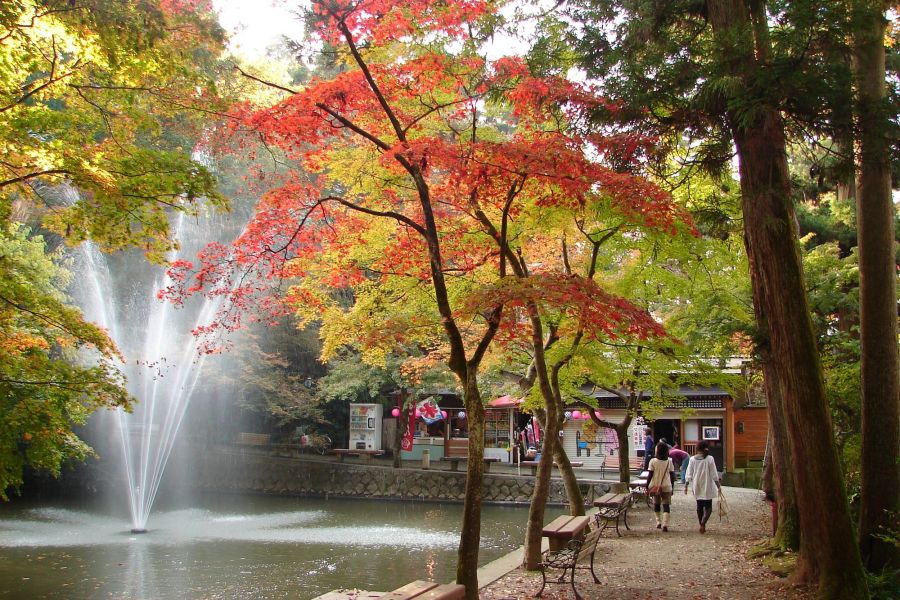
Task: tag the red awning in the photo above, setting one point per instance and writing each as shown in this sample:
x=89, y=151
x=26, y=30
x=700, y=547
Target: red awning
x=505, y=402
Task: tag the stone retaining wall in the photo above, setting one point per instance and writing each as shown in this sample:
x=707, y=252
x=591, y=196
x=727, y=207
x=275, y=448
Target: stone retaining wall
x=258, y=473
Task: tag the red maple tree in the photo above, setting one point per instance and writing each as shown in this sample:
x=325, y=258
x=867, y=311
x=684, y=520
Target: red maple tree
x=424, y=162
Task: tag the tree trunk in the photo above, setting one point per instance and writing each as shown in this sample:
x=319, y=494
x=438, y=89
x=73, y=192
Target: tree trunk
x=787, y=532
x=880, y=379
x=470, y=536
x=573, y=491
x=541, y=492
x=827, y=544
x=828, y=550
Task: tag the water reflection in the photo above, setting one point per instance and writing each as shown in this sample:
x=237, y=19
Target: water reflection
x=227, y=548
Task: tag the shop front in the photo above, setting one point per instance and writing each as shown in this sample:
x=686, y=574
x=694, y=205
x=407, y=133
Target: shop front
x=699, y=413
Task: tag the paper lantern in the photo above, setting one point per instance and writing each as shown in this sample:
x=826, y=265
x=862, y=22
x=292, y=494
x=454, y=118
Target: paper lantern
x=576, y=414
x=585, y=415
x=568, y=414
x=395, y=411
x=461, y=415
x=444, y=413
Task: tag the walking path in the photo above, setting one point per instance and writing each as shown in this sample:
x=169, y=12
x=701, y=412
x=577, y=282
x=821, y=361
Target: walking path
x=679, y=564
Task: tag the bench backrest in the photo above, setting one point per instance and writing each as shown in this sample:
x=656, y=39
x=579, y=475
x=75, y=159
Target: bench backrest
x=589, y=544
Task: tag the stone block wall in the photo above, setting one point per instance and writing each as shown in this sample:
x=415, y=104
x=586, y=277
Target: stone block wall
x=258, y=473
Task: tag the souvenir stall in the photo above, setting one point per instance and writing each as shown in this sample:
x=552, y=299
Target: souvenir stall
x=429, y=429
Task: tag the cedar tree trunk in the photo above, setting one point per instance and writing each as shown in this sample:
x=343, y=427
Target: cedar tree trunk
x=828, y=550
x=880, y=380
x=787, y=532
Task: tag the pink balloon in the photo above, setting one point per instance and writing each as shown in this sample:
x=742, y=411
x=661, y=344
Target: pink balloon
x=444, y=413
x=586, y=416
x=395, y=412
x=576, y=414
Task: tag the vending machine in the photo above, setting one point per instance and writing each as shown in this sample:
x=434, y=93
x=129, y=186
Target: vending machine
x=365, y=426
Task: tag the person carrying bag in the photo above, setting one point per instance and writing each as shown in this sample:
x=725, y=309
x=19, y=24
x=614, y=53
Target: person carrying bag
x=659, y=485
x=703, y=479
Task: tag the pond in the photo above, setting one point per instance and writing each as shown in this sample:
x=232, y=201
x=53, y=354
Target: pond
x=239, y=547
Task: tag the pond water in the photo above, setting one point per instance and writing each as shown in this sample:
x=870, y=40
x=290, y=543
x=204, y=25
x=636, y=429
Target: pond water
x=233, y=547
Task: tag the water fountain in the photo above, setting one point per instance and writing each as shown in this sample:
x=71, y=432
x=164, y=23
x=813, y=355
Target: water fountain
x=163, y=362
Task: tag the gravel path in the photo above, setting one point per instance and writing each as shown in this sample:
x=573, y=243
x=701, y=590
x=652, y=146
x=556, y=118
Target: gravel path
x=680, y=564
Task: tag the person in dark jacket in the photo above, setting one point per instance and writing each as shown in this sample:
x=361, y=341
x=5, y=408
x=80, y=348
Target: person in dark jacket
x=648, y=447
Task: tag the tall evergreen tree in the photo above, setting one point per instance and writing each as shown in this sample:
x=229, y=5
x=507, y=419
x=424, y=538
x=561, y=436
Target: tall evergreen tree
x=714, y=71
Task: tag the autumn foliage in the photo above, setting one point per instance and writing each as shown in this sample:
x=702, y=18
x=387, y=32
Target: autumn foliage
x=432, y=192
x=414, y=136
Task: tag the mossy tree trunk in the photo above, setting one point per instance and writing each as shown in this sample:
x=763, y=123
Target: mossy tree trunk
x=880, y=379
x=828, y=550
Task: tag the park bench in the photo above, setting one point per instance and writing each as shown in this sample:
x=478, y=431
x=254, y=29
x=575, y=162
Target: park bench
x=611, y=508
x=455, y=460
x=534, y=464
x=639, y=489
x=367, y=454
x=253, y=440
x=611, y=463
x=563, y=529
x=577, y=551
x=427, y=590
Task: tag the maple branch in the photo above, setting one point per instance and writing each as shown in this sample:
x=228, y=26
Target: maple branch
x=45, y=318
x=16, y=26
x=51, y=79
x=22, y=178
x=432, y=109
x=493, y=321
x=379, y=213
x=263, y=81
x=73, y=385
x=353, y=126
x=364, y=67
x=518, y=265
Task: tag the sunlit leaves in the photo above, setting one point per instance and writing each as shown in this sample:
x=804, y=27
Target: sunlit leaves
x=44, y=390
x=93, y=93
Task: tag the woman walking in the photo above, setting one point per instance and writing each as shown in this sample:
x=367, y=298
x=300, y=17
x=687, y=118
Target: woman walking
x=659, y=484
x=703, y=479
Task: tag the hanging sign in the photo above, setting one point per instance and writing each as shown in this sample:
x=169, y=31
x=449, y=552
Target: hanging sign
x=429, y=410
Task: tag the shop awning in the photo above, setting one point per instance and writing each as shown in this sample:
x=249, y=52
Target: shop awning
x=505, y=402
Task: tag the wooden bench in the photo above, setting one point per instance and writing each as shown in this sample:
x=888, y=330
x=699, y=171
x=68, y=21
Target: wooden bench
x=567, y=559
x=427, y=590
x=564, y=529
x=534, y=464
x=612, y=463
x=455, y=460
x=639, y=489
x=368, y=454
x=253, y=439
x=611, y=508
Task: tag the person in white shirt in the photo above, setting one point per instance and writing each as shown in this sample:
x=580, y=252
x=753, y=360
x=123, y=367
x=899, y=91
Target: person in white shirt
x=703, y=478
